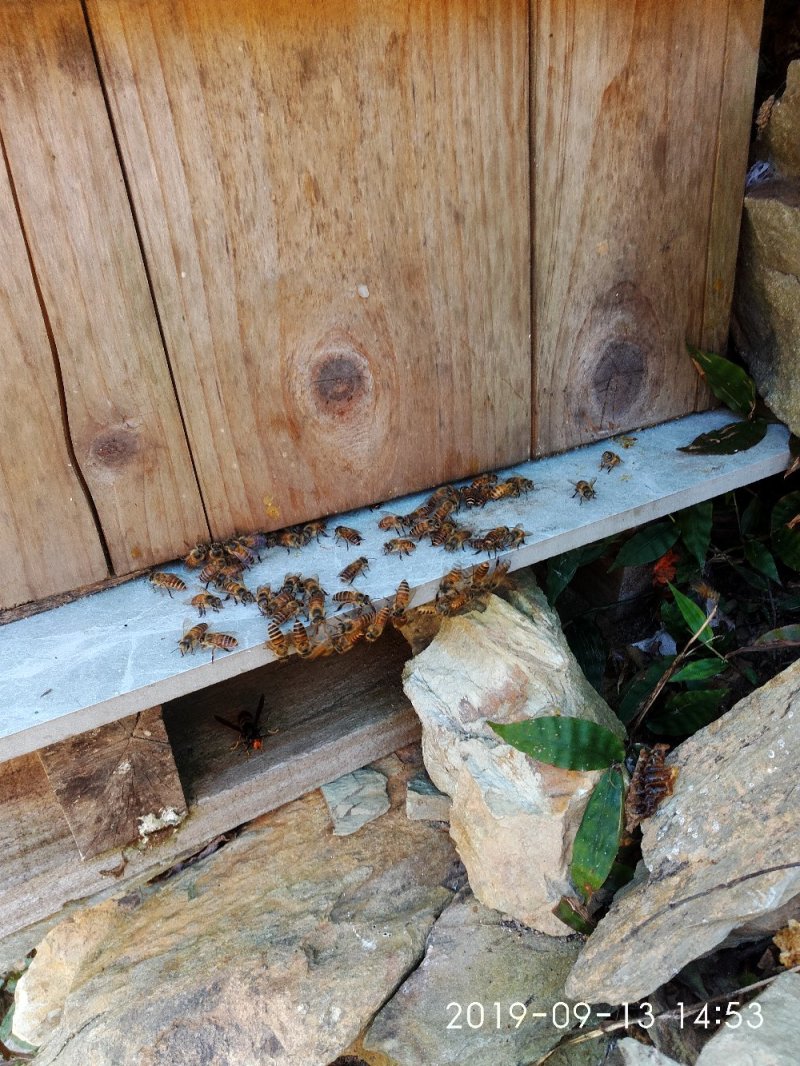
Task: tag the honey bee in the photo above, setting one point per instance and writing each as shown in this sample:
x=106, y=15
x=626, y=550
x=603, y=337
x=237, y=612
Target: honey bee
x=493, y=541
x=287, y=609
x=651, y=782
x=584, y=489
x=301, y=640
x=451, y=581
x=218, y=642
x=346, y=535
x=522, y=484
x=427, y=527
x=354, y=570
x=443, y=511
x=191, y=639
x=292, y=584
x=277, y=641
x=477, y=495
x=392, y=521
x=197, y=556
x=351, y=596
x=399, y=546
x=609, y=460
x=216, y=552
x=291, y=539
x=264, y=599
x=627, y=442
x=237, y=592
x=439, y=536
x=454, y=603
x=497, y=578
x=204, y=601
x=316, y=606
x=315, y=530
x=458, y=540
x=515, y=537
x=793, y=522
x=240, y=552
x=342, y=643
x=483, y=480
x=169, y=582
x=503, y=491
x=401, y=598
x=377, y=626
x=479, y=574
x=445, y=492
x=210, y=571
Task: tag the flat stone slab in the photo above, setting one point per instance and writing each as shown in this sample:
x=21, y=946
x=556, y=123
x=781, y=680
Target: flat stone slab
x=424, y=801
x=113, y=654
x=355, y=799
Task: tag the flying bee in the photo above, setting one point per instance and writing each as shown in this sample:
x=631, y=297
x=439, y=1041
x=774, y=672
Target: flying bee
x=277, y=641
x=197, y=556
x=392, y=521
x=191, y=639
x=353, y=570
x=584, y=489
x=247, y=726
x=237, y=592
x=351, y=596
x=401, y=598
x=218, y=642
x=399, y=546
x=204, y=601
x=301, y=641
x=377, y=626
x=346, y=535
x=651, y=782
x=169, y=582
x=608, y=461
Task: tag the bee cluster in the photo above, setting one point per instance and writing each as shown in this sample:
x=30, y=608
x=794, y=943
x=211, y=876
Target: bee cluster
x=462, y=590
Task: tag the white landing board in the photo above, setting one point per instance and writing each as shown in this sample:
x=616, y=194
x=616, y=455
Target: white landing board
x=114, y=653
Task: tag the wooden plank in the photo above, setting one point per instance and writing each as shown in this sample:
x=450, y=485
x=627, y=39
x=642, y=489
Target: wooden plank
x=332, y=721
x=626, y=134
x=114, y=781
x=743, y=33
x=95, y=660
x=123, y=417
x=48, y=538
x=333, y=200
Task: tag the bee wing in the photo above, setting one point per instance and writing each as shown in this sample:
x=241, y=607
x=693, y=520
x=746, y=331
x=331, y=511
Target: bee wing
x=258, y=713
x=230, y=725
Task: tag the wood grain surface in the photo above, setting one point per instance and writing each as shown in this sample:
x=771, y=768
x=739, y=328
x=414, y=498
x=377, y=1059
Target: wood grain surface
x=333, y=200
x=109, y=779
x=48, y=538
x=123, y=416
x=639, y=146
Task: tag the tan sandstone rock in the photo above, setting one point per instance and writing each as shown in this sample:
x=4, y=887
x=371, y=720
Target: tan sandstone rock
x=512, y=819
x=721, y=854
x=277, y=949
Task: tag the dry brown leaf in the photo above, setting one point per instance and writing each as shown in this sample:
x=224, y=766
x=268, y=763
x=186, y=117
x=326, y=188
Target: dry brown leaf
x=788, y=940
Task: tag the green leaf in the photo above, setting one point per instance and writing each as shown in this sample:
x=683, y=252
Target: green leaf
x=562, y=568
x=587, y=644
x=729, y=382
x=782, y=635
x=647, y=545
x=735, y=437
x=751, y=578
x=695, y=528
x=571, y=743
x=693, y=616
x=567, y=911
x=640, y=688
x=785, y=541
x=686, y=712
x=751, y=516
x=597, y=840
x=700, y=670
x=761, y=559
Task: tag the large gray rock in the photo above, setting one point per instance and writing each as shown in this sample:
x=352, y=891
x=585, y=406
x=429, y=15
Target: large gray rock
x=767, y=297
x=277, y=949
x=513, y=819
x=722, y=853
x=477, y=957
x=767, y=1035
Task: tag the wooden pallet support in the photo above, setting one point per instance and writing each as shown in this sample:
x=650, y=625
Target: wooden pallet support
x=117, y=784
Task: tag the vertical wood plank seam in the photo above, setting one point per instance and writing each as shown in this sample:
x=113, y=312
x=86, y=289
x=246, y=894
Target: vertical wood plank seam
x=699, y=388
x=59, y=377
x=534, y=426
x=145, y=264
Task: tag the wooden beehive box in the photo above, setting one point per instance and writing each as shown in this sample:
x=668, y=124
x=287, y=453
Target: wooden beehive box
x=261, y=262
